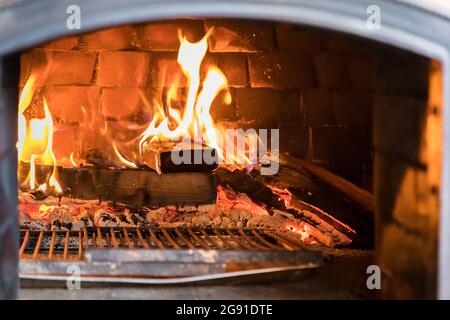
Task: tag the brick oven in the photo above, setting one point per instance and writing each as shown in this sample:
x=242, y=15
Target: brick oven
x=355, y=118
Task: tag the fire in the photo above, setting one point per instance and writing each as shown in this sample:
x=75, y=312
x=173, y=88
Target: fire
x=172, y=125
x=176, y=118
x=35, y=140
x=194, y=122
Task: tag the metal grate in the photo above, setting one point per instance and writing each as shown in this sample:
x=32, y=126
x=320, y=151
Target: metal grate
x=71, y=245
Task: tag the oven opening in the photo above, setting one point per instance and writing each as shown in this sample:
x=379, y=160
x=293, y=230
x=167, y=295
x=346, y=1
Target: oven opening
x=192, y=149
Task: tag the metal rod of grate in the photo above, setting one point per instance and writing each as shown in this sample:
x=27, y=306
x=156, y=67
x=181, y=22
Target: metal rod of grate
x=70, y=245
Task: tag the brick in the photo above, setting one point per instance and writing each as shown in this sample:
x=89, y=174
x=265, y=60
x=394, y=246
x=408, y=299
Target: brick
x=233, y=66
x=91, y=137
x=66, y=43
x=319, y=105
x=406, y=209
x=124, y=131
x=294, y=138
x=407, y=259
x=66, y=139
x=396, y=288
x=296, y=38
x=240, y=36
x=116, y=38
x=280, y=70
x=267, y=106
x=64, y=67
x=166, y=71
x=66, y=103
x=402, y=193
x=220, y=110
x=120, y=103
x=361, y=71
x=354, y=107
x=345, y=149
x=163, y=36
x=395, y=66
x=384, y=189
x=398, y=124
x=125, y=69
x=330, y=69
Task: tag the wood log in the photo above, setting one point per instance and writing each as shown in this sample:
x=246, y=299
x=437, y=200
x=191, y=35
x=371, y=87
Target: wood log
x=134, y=188
x=241, y=181
x=360, y=196
x=160, y=157
x=308, y=187
x=308, y=194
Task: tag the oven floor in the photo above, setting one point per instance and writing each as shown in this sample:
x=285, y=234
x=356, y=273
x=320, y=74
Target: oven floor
x=344, y=277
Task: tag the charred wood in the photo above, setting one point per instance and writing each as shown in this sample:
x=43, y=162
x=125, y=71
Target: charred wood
x=135, y=188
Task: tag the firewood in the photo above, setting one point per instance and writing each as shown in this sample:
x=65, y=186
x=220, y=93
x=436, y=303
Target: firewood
x=311, y=200
x=241, y=181
x=351, y=191
x=165, y=157
x=135, y=188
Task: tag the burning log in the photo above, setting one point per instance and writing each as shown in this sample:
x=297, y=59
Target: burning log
x=135, y=188
x=171, y=157
x=302, y=184
x=241, y=181
x=274, y=192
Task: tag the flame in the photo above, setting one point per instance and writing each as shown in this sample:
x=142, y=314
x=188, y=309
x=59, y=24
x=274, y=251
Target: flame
x=190, y=56
x=194, y=121
x=72, y=160
x=35, y=139
x=32, y=176
x=183, y=114
x=122, y=158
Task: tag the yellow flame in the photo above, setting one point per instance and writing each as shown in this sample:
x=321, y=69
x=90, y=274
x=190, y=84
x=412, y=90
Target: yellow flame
x=32, y=173
x=72, y=159
x=35, y=139
x=195, y=118
x=122, y=158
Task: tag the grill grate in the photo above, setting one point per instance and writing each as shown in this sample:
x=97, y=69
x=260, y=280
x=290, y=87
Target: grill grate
x=71, y=245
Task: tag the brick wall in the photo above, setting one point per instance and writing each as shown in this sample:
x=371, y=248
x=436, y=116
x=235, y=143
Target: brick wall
x=316, y=88
x=407, y=140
